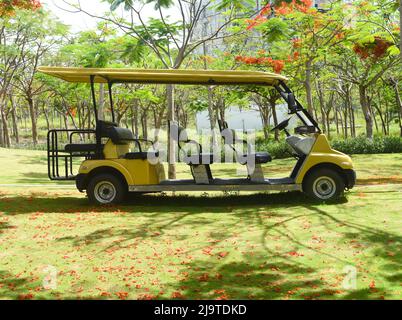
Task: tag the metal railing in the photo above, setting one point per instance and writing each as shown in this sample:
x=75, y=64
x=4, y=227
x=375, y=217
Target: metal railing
x=60, y=161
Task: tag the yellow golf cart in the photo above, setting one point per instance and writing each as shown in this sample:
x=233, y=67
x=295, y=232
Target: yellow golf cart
x=113, y=168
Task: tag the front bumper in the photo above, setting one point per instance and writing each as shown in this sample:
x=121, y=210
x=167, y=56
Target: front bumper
x=350, y=178
x=80, y=181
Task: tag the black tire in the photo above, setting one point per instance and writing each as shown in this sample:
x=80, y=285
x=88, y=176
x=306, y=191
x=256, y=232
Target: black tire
x=324, y=184
x=106, y=189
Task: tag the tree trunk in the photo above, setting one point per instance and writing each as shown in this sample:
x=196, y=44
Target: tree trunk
x=6, y=135
x=373, y=114
x=275, y=118
x=264, y=114
x=32, y=113
x=144, y=123
x=265, y=128
x=136, y=119
x=400, y=28
x=398, y=100
x=14, y=119
x=45, y=113
x=171, y=144
x=383, y=124
x=337, y=122
x=307, y=85
x=345, y=115
x=340, y=118
x=352, y=122
x=211, y=113
x=1, y=131
x=366, y=112
x=322, y=107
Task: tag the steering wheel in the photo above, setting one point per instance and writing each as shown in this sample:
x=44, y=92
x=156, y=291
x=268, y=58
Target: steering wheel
x=282, y=125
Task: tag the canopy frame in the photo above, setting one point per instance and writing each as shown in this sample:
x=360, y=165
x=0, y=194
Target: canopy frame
x=183, y=77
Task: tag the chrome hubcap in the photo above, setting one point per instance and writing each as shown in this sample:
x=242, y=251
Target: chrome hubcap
x=324, y=187
x=105, y=192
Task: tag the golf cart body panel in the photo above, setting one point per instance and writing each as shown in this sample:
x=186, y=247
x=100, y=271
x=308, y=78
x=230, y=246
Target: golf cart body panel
x=321, y=154
x=134, y=171
x=110, y=170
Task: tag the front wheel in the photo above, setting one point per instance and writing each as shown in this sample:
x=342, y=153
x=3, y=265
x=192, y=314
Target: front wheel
x=106, y=189
x=324, y=184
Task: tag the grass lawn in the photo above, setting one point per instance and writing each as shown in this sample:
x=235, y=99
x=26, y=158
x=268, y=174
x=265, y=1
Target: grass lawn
x=252, y=246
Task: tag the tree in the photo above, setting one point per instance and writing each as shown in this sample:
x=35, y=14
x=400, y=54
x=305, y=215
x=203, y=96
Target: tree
x=15, y=38
x=9, y=7
x=45, y=33
x=368, y=52
x=358, y=28
x=299, y=35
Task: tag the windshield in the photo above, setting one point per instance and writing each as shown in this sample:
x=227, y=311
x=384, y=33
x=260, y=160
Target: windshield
x=302, y=116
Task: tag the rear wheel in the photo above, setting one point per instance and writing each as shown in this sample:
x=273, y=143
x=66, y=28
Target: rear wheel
x=324, y=184
x=106, y=189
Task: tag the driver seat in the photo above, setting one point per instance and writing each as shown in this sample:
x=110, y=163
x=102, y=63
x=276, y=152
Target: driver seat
x=252, y=160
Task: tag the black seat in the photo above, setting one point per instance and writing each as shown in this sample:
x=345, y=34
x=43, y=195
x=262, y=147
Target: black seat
x=203, y=158
x=259, y=157
x=83, y=147
x=179, y=134
x=120, y=135
x=229, y=137
x=123, y=136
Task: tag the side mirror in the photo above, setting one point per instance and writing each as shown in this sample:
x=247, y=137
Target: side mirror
x=292, y=102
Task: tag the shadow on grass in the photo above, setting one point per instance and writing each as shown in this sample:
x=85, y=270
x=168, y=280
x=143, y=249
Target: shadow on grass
x=270, y=274
x=13, y=287
x=267, y=277
x=155, y=203
x=34, y=177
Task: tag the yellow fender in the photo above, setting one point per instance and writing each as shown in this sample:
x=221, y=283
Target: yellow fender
x=90, y=165
x=321, y=154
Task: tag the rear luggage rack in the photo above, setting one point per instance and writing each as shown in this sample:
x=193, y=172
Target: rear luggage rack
x=60, y=155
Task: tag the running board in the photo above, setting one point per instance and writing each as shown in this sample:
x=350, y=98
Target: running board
x=216, y=187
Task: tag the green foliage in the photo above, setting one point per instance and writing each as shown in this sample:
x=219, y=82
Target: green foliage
x=239, y=5
x=362, y=145
x=275, y=29
x=359, y=145
x=277, y=149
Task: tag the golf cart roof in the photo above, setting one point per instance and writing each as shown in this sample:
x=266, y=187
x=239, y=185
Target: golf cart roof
x=206, y=77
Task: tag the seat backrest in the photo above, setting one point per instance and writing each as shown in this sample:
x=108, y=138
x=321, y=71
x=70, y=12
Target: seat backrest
x=103, y=128
x=222, y=125
x=228, y=135
x=177, y=133
x=120, y=135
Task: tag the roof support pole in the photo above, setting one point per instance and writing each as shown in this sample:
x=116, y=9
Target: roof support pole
x=92, y=80
x=110, y=84
x=98, y=134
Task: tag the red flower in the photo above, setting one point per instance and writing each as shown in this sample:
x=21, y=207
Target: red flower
x=278, y=65
x=177, y=295
x=122, y=295
x=27, y=296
